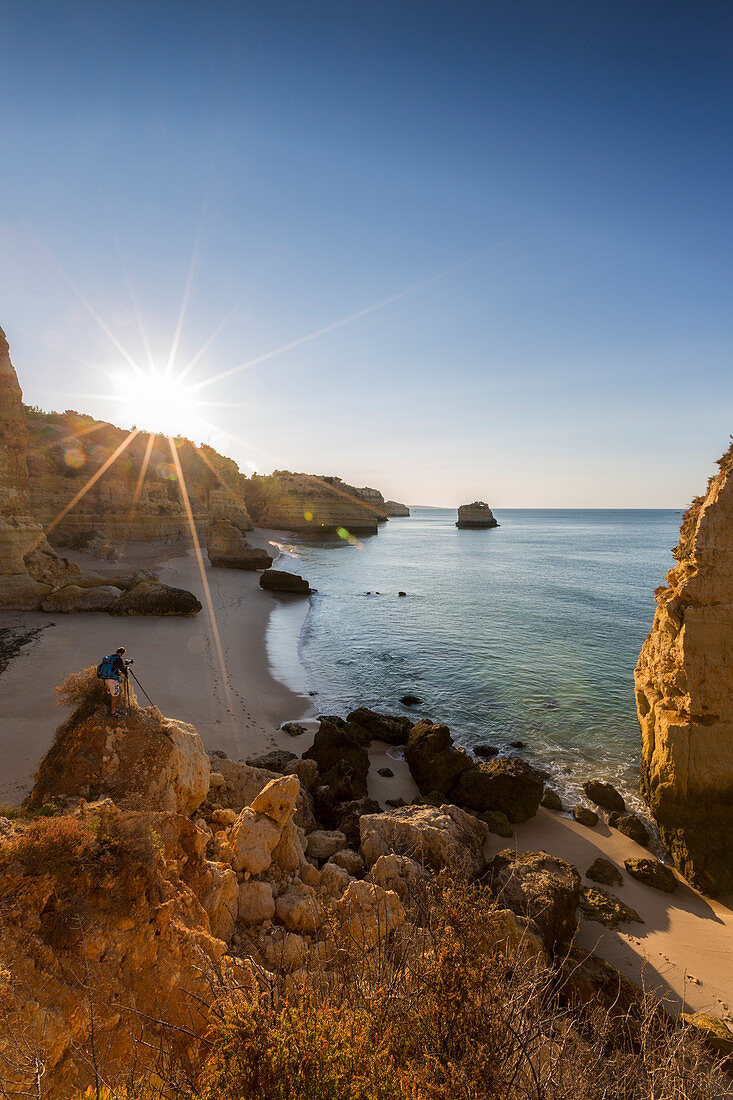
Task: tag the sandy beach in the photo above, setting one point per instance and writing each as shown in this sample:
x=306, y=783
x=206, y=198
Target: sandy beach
x=683, y=950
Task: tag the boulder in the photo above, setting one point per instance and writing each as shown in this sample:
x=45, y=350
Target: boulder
x=256, y=902
x=405, y=876
x=243, y=783
x=75, y=598
x=253, y=838
x=299, y=909
x=221, y=901
x=334, y=880
x=386, y=773
x=603, y=871
x=19, y=592
x=151, y=598
x=350, y=860
x=551, y=800
x=437, y=836
x=476, y=515
x=631, y=826
x=227, y=548
x=347, y=815
x=485, y=751
x=277, y=760
x=289, y=852
x=366, y=726
x=306, y=771
x=586, y=817
x=434, y=762
x=504, y=784
x=498, y=823
x=605, y=795
x=334, y=746
x=294, y=729
x=542, y=887
x=278, y=799
x=322, y=843
x=653, y=873
x=607, y=909
x=410, y=700
x=368, y=914
x=278, y=580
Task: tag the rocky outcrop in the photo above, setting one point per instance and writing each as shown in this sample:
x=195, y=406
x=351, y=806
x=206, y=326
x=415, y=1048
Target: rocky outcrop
x=436, y=836
x=138, y=758
x=227, y=548
x=684, y=693
x=279, y=580
x=542, y=887
x=395, y=510
x=477, y=514
x=320, y=505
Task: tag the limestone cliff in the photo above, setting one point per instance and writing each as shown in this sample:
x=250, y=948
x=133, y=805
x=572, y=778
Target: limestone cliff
x=19, y=531
x=304, y=502
x=67, y=449
x=394, y=509
x=684, y=693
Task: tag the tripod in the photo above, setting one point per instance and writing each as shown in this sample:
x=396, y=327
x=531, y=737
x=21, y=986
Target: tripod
x=142, y=689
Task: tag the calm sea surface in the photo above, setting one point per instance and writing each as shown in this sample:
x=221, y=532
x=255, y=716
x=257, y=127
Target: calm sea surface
x=529, y=631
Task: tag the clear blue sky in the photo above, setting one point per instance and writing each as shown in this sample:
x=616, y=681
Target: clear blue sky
x=550, y=181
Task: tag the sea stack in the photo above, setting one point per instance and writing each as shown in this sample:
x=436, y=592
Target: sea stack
x=684, y=693
x=476, y=515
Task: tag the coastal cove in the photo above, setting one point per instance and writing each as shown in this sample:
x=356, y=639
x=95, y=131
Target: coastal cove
x=528, y=632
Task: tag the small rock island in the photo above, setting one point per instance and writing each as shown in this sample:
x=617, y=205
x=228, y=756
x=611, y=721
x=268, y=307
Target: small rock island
x=476, y=515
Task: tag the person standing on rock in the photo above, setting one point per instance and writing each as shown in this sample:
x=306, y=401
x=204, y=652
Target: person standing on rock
x=114, y=668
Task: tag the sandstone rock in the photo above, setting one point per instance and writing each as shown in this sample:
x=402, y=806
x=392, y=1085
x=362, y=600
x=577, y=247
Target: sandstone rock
x=75, y=598
x=253, y=838
x=477, y=514
x=294, y=728
x=256, y=903
x=498, y=823
x=551, y=800
x=278, y=580
x=605, y=795
x=603, y=871
x=631, y=826
x=299, y=910
x=586, y=817
x=367, y=725
x=598, y=905
x=542, y=887
x=587, y=981
x=278, y=799
x=243, y=783
x=19, y=592
x=306, y=771
x=434, y=762
x=350, y=860
x=394, y=509
x=286, y=950
x=147, y=598
x=684, y=693
x=405, y=876
x=508, y=785
x=653, y=873
x=368, y=914
x=140, y=759
x=301, y=502
x=221, y=901
x=334, y=746
x=227, y=548
x=438, y=837
x=44, y=564
x=277, y=760
x=289, y=853
x=334, y=880
x=716, y=1035
x=323, y=844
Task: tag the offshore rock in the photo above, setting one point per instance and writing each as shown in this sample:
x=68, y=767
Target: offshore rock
x=684, y=693
x=476, y=515
x=227, y=548
x=368, y=725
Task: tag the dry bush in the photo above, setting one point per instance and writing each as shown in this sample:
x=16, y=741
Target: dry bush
x=47, y=846
x=82, y=691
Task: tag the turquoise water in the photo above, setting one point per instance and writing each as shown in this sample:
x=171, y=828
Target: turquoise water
x=529, y=631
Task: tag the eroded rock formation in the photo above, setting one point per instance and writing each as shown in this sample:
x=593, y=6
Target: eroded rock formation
x=394, y=509
x=477, y=514
x=304, y=502
x=684, y=693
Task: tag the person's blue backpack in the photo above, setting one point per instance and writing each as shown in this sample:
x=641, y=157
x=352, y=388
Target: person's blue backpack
x=104, y=668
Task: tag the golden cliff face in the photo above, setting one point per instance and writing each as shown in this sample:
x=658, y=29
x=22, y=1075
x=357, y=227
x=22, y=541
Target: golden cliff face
x=19, y=531
x=301, y=502
x=68, y=449
x=684, y=693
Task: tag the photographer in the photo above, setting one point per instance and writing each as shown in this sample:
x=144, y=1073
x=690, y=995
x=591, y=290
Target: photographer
x=115, y=669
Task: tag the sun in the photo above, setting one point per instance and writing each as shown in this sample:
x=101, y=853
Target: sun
x=157, y=401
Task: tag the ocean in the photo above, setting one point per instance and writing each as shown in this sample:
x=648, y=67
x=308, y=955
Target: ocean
x=527, y=632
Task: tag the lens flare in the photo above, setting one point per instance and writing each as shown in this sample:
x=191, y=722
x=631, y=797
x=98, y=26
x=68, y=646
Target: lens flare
x=158, y=402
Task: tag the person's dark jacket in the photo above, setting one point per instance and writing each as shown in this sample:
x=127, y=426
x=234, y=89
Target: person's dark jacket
x=118, y=667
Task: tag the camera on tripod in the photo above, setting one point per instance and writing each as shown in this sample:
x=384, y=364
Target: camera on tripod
x=130, y=662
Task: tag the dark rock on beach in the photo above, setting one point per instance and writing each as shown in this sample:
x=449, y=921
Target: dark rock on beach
x=508, y=785
x=152, y=598
x=605, y=795
x=275, y=761
x=607, y=909
x=367, y=725
x=343, y=762
x=434, y=761
x=603, y=871
x=278, y=580
x=387, y=773
x=586, y=817
x=498, y=823
x=542, y=887
x=631, y=826
x=653, y=873
x=551, y=800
